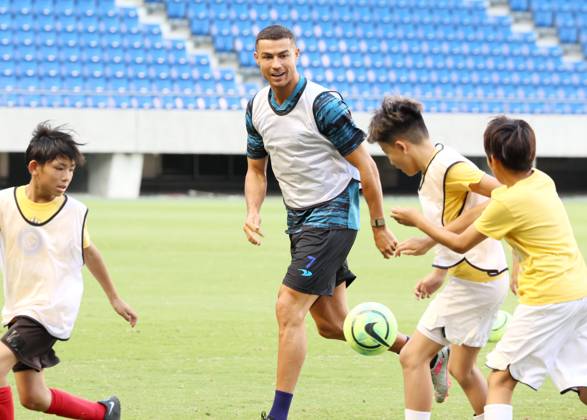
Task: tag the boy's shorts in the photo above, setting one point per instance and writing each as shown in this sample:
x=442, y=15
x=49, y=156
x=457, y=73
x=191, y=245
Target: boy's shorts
x=31, y=344
x=463, y=312
x=545, y=340
x=318, y=260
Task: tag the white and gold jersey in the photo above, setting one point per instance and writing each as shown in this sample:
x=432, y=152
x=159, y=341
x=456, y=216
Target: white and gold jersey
x=444, y=194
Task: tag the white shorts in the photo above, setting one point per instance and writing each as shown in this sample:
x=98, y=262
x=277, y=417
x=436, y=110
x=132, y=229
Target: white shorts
x=547, y=339
x=463, y=312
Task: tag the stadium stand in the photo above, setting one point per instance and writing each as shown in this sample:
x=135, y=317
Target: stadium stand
x=450, y=54
x=92, y=54
x=567, y=16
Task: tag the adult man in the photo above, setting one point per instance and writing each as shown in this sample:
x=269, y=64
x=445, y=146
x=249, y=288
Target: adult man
x=318, y=157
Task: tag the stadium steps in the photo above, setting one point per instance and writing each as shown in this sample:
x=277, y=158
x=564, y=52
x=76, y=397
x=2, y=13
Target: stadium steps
x=172, y=27
x=524, y=19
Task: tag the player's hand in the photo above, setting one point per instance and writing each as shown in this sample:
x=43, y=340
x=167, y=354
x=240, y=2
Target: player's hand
x=405, y=216
x=414, y=246
x=252, y=229
x=429, y=284
x=125, y=311
x=384, y=241
x=514, y=284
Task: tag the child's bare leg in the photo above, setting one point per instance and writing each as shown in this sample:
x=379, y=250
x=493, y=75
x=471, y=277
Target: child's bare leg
x=499, y=396
x=462, y=365
x=415, y=359
x=32, y=390
x=7, y=361
x=35, y=395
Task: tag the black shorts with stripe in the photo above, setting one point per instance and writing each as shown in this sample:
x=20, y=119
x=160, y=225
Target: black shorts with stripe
x=318, y=260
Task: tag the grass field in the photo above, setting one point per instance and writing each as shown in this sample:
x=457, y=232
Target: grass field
x=205, y=345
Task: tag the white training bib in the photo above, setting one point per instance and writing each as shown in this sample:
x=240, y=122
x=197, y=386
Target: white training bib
x=308, y=167
x=42, y=264
x=488, y=256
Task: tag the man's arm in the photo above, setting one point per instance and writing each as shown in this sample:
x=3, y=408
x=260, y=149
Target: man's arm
x=360, y=159
x=97, y=267
x=255, y=192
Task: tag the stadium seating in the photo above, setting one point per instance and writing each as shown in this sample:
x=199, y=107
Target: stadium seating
x=567, y=16
x=88, y=53
x=450, y=54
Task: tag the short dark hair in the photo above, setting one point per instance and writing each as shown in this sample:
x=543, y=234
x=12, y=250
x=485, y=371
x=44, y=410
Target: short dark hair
x=274, y=33
x=510, y=141
x=397, y=117
x=48, y=143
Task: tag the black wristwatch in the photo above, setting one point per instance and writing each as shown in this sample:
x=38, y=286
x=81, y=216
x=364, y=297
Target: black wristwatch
x=379, y=222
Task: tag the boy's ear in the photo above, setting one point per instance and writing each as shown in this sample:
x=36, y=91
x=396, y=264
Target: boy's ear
x=33, y=166
x=401, y=145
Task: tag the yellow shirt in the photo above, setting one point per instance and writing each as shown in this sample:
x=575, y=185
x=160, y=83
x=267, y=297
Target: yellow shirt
x=530, y=216
x=41, y=212
x=457, y=185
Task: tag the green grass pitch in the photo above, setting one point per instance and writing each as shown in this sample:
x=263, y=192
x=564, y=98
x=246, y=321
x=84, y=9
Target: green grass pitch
x=205, y=346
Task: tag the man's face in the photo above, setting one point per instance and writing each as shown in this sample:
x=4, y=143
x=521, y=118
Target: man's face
x=53, y=177
x=277, y=61
x=399, y=157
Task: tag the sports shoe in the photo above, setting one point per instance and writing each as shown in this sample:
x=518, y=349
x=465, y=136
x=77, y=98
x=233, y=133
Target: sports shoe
x=440, y=376
x=112, y=405
x=264, y=416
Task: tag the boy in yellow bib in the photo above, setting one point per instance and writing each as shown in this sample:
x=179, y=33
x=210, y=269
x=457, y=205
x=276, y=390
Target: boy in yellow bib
x=548, y=332
x=462, y=313
x=44, y=244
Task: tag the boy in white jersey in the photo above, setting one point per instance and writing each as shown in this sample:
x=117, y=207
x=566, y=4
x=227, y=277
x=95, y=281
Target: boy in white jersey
x=44, y=245
x=462, y=313
x=548, y=332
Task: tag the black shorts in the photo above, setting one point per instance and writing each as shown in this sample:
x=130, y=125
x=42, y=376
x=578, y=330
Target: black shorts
x=318, y=260
x=31, y=344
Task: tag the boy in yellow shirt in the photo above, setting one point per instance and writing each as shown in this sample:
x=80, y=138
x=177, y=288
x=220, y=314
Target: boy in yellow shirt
x=462, y=313
x=44, y=245
x=548, y=332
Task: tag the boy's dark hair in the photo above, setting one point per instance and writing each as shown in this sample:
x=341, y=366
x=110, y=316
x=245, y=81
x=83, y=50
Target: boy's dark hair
x=274, y=33
x=397, y=117
x=510, y=141
x=48, y=143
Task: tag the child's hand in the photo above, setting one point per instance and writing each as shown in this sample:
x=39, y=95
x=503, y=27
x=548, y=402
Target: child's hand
x=414, y=246
x=429, y=284
x=404, y=216
x=125, y=311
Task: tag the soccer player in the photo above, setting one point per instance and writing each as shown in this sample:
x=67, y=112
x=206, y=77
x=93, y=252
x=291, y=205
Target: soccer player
x=44, y=244
x=462, y=314
x=318, y=156
x=548, y=331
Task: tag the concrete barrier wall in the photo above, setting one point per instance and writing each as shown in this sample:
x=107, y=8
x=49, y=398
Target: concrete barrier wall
x=223, y=132
x=122, y=138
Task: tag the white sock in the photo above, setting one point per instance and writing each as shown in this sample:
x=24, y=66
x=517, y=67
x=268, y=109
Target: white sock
x=479, y=417
x=416, y=415
x=499, y=412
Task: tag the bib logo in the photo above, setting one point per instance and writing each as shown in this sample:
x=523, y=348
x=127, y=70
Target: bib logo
x=30, y=241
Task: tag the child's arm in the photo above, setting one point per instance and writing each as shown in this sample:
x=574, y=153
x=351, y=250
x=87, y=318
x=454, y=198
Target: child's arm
x=97, y=267
x=420, y=246
x=515, y=273
x=485, y=186
x=430, y=284
x=460, y=243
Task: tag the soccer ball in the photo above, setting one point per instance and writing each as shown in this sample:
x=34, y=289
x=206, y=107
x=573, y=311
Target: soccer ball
x=500, y=325
x=370, y=328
